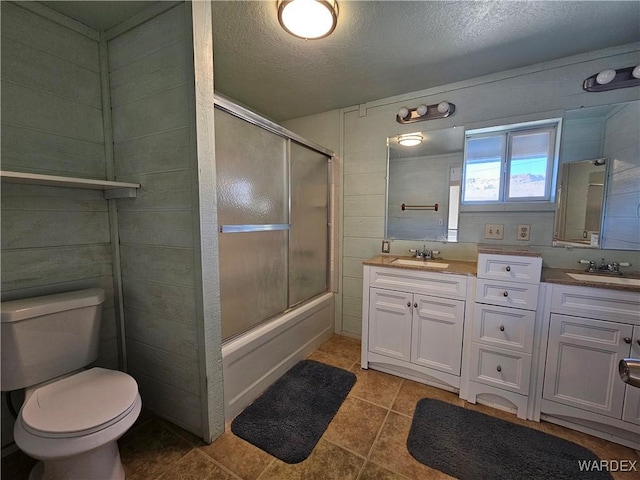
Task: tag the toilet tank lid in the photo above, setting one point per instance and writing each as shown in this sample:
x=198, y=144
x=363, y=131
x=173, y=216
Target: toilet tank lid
x=16, y=310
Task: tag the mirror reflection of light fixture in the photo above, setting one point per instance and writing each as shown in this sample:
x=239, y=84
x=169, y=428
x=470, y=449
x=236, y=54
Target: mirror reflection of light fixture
x=410, y=139
x=425, y=112
x=610, y=79
x=308, y=19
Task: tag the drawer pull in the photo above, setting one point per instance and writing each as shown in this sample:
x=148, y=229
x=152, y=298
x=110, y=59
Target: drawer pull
x=415, y=305
x=409, y=304
x=502, y=328
x=505, y=293
x=499, y=368
x=627, y=339
x=508, y=269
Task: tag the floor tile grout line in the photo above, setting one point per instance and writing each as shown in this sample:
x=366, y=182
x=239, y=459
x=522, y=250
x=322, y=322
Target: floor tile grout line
x=159, y=477
x=384, y=421
x=273, y=460
x=218, y=464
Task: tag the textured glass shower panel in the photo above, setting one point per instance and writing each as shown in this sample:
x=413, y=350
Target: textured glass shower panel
x=251, y=167
x=253, y=190
x=308, y=237
x=254, y=279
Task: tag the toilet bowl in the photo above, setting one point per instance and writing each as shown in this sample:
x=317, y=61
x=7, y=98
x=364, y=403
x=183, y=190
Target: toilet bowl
x=71, y=418
x=72, y=425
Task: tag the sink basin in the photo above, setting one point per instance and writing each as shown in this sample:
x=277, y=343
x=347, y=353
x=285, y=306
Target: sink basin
x=602, y=279
x=420, y=263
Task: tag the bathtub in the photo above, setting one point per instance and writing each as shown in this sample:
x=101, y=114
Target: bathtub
x=253, y=361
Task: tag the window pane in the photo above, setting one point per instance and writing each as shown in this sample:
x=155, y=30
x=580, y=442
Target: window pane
x=530, y=156
x=482, y=169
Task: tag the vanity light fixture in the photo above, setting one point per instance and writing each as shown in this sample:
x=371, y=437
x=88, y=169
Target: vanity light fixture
x=308, y=19
x=410, y=139
x=610, y=79
x=425, y=112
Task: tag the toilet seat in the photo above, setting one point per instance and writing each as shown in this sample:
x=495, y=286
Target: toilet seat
x=79, y=405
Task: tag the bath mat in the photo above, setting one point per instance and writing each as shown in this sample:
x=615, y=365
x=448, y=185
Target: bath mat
x=470, y=445
x=292, y=414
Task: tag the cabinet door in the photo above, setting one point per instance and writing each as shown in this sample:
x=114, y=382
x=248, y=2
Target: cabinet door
x=631, y=410
x=390, y=323
x=582, y=364
x=437, y=333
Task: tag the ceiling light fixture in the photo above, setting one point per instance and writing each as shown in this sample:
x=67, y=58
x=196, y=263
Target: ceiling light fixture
x=410, y=139
x=610, y=79
x=308, y=19
x=425, y=112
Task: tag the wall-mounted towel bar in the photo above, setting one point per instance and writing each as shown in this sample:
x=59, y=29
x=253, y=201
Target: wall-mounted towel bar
x=254, y=228
x=433, y=207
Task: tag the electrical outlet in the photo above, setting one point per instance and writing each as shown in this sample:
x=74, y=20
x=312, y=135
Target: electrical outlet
x=386, y=247
x=523, y=232
x=494, y=231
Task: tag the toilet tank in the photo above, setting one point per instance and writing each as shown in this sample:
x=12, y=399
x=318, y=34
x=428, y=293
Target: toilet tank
x=49, y=336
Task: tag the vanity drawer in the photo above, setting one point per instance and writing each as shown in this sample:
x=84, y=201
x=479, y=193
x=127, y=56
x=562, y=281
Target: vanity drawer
x=509, y=267
x=598, y=303
x=438, y=284
x=501, y=368
x=508, y=294
x=504, y=327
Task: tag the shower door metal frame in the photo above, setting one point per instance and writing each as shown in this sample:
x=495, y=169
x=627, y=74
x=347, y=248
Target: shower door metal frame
x=238, y=111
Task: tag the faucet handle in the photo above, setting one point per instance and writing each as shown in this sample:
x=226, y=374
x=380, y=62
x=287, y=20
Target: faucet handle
x=624, y=264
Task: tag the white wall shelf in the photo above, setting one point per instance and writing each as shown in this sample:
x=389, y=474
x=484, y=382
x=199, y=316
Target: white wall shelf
x=111, y=189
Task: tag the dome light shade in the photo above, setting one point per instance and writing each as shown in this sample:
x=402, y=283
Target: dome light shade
x=410, y=139
x=308, y=19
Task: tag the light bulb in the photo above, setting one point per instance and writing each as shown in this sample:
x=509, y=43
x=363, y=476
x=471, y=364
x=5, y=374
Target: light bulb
x=403, y=113
x=443, y=107
x=308, y=19
x=422, y=110
x=635, y=73
x=605, y=76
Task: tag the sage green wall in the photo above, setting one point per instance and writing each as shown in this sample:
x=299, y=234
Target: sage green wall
x=526, y=94
x=53, y=239
x=151, y=80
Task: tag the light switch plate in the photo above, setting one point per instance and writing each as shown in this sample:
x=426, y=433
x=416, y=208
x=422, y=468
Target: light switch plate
x=494, y=231
x=524, y=231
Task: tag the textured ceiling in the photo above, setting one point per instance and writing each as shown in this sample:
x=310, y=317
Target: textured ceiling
x=381, y=49
x=385, y=48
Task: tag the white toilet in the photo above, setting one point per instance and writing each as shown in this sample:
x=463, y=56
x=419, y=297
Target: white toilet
x=71, y=418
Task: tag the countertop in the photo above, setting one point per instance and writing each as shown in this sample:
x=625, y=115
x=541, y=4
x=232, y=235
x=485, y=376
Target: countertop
x=549, y=275
x=455, y=266
x=559, y=275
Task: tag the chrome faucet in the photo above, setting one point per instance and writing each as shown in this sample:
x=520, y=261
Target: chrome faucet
x=424, y=254
x=612, y=268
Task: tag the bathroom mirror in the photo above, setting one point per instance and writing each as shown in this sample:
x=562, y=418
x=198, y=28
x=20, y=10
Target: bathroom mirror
x=420, y=176
x=599, y=178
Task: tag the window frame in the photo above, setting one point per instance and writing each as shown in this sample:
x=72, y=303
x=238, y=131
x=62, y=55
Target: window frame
x=506, y=132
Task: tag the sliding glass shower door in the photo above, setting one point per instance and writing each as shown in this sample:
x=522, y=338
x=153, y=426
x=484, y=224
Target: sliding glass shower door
x=272, y=210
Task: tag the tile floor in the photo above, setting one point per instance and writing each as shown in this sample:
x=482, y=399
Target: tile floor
x=365, y=441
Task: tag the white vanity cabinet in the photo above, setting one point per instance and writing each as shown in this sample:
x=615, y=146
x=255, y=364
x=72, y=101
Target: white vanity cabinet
x=502, y=335
x=413, y=324
x=590, y=330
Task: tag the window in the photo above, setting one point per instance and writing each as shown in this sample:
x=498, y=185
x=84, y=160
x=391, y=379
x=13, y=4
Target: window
x=514, y=163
